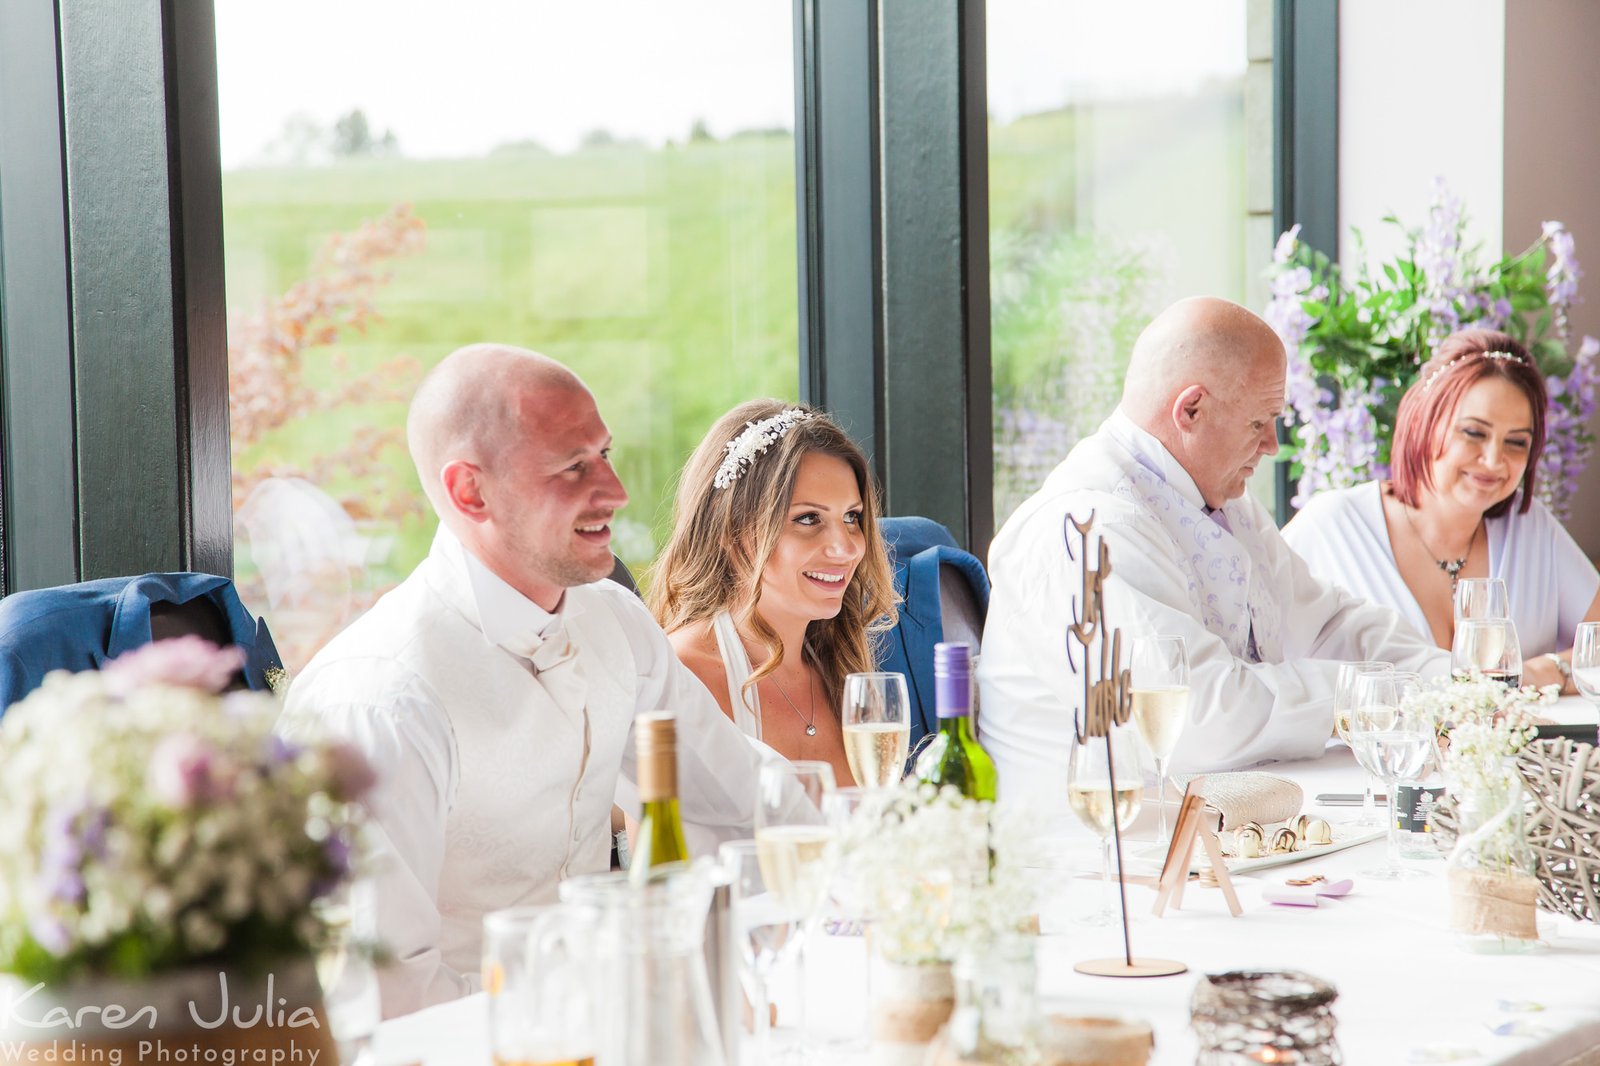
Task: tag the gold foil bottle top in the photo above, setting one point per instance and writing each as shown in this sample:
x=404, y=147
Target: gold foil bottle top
x=655, y=738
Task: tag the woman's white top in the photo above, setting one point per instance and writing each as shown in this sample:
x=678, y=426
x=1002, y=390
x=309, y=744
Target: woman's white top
x=746, y=704
x=1550, y=582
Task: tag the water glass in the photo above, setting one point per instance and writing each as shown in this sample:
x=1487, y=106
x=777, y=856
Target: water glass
x=539, y=973
x=1395, y=742
x=1159, y=679
x=876, y=713
x=1487, y=647
x=1343, y=700
x=1481, y=597
x=1586, y=661
x=766, y=931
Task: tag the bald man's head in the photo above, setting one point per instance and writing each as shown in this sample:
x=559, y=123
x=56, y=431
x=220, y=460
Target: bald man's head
x=472, y=406
x=515, y=458
x=1206, y=378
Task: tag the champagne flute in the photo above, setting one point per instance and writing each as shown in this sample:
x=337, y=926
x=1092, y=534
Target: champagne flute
x=1487, y=647
x=1093, y=800
x=877, y=727
x=1343, y=700
x=1481, y=597
x=766, y=931
x=1159, y=675
x=1586, y=661
x=1395, y=742
x=794, y=848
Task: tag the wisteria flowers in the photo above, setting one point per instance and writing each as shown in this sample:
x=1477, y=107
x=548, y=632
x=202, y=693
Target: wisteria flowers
x=152, y=821
x=1356, y=339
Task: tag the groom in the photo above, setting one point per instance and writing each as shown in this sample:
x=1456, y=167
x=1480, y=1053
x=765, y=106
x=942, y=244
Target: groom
x=1193, y=556
x=495, y=689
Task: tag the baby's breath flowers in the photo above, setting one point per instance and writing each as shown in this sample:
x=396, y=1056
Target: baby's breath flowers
x=152, y=821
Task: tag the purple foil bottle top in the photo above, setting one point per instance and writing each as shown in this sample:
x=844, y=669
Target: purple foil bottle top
x=952, y=676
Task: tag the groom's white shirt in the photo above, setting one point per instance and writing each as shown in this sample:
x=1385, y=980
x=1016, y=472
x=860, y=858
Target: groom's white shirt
x=1176, y=572
x=489, y=793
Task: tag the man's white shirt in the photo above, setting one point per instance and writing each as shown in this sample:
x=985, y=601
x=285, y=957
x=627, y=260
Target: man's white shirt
x=1175, y=572
x=489, y=793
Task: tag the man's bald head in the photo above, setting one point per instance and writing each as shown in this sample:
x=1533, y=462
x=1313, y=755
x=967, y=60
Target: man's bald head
x=473, y=406
x=1206, y=379
x=1198, y=341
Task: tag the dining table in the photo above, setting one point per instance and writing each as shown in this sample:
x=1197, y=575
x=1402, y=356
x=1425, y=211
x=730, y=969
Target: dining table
x=1409, y=990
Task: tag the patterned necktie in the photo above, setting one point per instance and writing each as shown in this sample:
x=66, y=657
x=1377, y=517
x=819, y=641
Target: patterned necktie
x=1220, y=518
x=555, y=666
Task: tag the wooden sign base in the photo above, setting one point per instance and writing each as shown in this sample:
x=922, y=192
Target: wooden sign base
x=1120, y=967
x=1190, y=830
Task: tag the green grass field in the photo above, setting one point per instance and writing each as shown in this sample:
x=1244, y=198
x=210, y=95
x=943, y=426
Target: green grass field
x=666, y=277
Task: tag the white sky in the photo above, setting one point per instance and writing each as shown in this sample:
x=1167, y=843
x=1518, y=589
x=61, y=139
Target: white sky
x=457, y=77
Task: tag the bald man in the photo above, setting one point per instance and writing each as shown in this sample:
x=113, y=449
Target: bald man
x=495, y=689
x=1192, y=556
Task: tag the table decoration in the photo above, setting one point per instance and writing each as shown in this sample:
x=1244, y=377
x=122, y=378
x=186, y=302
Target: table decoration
x=1563, y=832
x=1107, y=704
x=1251, y=1016
x=165, y=854
x=941, y=874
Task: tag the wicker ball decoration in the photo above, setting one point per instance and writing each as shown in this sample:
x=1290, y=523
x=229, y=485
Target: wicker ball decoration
x=1563, y=825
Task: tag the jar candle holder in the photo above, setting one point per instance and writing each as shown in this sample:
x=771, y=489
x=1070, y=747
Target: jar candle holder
x=1274, y=1016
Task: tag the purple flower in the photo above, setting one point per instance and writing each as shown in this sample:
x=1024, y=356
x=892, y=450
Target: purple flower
x=50, y=933
x=184, y=662
x=1286, y=245
x=185, y=771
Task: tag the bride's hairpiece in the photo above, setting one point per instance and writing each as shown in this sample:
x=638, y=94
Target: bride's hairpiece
x=1510, y=357
x=755, y=438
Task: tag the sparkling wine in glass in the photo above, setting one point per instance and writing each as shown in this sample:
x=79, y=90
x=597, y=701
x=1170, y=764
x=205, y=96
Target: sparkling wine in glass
x=1096, y=803
x=1395, y=742
x=1159, y=675
x=1487, y=647
x=877, y=727
x=1586, y=661
x=1481, y=597
x=1343, y=700
x=794, y=848
x=765, y=928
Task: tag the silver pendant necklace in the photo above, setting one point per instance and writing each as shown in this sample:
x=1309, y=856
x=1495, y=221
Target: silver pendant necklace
x=811, y=723
x=1452, y=567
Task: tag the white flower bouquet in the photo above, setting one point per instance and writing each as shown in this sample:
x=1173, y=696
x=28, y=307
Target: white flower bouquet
x=1481, y=722
x=152, y=822
x=937, y=872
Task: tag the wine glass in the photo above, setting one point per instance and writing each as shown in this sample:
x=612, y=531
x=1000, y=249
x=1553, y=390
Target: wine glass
x=1343, y=698
x=1395, y=743
x=1586, y=661
x=794, y=847
x=1095, y=802
x=1487, y=647
x=1159, y=678
x=765, y=928
x=1481, y=597
x=877, y=727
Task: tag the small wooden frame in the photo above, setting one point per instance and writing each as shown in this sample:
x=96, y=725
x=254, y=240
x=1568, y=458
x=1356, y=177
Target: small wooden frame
x=1189, y=830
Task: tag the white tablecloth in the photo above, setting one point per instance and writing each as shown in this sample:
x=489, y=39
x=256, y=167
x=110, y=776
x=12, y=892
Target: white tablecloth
x=1407, y=990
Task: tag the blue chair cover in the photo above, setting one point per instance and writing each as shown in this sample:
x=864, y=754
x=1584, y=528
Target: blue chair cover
x=80, y=627
x=917, y=546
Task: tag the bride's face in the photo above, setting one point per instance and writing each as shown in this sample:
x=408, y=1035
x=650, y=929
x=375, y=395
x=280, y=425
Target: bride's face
x=1486, y=446
x=821, y=544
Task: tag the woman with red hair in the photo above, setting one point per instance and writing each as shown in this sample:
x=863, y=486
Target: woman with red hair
x=1460, y=503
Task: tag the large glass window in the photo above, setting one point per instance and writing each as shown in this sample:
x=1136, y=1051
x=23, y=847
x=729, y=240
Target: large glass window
x=1117, y=184
x=610, y=184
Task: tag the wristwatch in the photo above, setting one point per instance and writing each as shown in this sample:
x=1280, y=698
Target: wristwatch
x=1562, y=665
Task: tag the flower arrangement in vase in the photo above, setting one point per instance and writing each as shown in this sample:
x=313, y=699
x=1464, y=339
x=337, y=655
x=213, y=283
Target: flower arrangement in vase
x=158, y=830
x=1356, y=338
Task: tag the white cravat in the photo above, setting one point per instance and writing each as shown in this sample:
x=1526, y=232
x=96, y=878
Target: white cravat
x=555, y=666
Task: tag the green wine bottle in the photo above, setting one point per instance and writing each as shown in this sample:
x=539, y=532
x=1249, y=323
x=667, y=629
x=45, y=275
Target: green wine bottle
x=660, y=837
x=955, y=757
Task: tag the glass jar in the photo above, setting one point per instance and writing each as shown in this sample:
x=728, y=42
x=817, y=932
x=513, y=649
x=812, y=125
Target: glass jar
x=997, y=1002
x=1493, y=893
x=1250, y=1016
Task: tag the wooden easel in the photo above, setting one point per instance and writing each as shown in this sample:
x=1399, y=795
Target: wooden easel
x=1189, y=830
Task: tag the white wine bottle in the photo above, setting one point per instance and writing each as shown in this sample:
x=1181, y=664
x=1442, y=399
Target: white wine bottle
x=660, y=837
